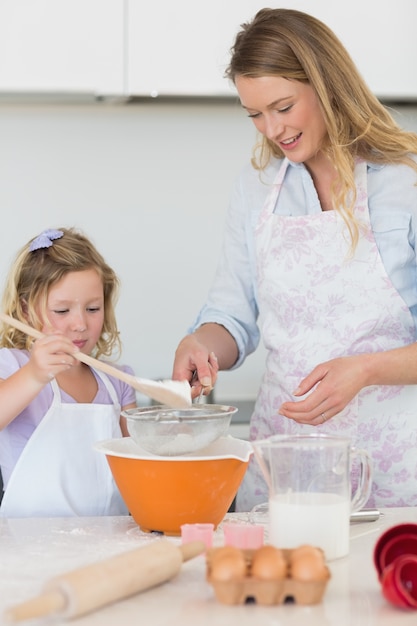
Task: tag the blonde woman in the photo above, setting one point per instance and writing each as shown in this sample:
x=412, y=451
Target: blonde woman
x=319, y=256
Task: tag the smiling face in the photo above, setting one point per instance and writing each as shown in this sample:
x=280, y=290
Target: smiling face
x=75, y=306
x=287, y=112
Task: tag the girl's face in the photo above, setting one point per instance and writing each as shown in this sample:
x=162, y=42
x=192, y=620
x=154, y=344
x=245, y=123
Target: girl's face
x=285, y=111
x=75, y=306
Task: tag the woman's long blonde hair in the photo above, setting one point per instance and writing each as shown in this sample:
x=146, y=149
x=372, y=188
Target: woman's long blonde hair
x=297, y=46
x=34, y=273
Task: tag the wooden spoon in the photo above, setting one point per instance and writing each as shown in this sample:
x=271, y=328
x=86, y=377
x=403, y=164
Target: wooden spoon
x=174, y=393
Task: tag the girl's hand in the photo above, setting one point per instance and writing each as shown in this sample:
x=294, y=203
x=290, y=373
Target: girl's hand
x=194, y=362
x=50, y=356
x=336, y=383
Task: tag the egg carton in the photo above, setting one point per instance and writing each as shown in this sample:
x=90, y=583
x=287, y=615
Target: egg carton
x=265, y=592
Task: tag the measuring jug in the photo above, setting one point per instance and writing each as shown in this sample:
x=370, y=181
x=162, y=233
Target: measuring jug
x=310, y=489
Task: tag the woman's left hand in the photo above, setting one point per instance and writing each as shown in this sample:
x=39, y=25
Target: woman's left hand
x=336, y=383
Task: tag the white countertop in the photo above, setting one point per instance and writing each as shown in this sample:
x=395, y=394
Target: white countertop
x=33, y=550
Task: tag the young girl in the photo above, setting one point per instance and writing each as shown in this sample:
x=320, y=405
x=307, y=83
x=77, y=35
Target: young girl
x=53, y=408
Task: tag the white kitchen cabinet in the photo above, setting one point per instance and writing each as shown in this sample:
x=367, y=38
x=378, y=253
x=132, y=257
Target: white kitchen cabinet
x=62, y=46
x=182, y=48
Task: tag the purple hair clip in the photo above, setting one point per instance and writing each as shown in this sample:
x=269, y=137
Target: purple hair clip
x=45, y=239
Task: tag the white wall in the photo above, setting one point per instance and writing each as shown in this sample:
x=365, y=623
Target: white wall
x=150, y=185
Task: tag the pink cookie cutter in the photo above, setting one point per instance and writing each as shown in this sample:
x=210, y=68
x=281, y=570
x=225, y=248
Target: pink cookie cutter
x=243, y=536
x=198, y=532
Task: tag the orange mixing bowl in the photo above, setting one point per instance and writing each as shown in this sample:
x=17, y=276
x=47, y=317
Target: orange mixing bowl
x=162, y=493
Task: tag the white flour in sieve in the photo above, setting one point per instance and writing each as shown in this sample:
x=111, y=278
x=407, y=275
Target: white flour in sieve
x=182, y=443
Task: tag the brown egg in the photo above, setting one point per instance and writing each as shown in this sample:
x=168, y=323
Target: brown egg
x=219, y=553
x=228, y=563
x=306, y=549
x=268, y=563
x=308, y=568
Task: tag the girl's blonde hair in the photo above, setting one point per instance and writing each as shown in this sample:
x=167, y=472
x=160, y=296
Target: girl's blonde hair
x=296, y=46
x=34, y=273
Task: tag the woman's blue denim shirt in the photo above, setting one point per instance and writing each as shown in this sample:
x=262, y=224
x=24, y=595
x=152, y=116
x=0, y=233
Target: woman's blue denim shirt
x=232, y=299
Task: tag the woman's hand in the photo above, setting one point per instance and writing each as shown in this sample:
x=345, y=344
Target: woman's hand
x=195, y=363
x=336, y=383
x=200, y=355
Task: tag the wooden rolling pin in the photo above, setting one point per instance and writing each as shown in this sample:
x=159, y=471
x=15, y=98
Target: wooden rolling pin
x=89, y=588
x=174, y=393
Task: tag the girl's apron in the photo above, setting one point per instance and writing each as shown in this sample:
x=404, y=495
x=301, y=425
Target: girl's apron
x=318, y=302
x=58, y=472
